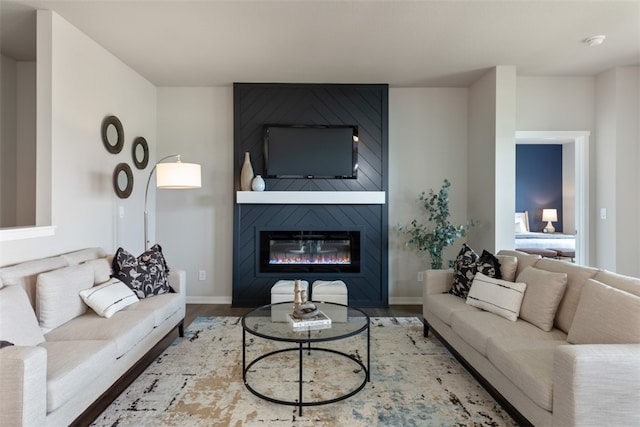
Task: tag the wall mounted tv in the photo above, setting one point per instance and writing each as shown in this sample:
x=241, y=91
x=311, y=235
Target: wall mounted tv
x=311, y=151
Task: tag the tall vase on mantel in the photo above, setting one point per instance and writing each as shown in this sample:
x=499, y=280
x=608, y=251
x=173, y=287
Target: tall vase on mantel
x=246, y=173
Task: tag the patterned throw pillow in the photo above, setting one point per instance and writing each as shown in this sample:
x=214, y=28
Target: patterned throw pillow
x=146, y=275
x=467, y=264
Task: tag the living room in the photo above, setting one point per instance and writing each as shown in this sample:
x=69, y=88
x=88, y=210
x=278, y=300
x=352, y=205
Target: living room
x=461, y=129
x=432, y=130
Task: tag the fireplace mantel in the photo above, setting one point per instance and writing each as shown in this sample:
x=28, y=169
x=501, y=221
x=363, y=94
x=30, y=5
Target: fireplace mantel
x=311, y=197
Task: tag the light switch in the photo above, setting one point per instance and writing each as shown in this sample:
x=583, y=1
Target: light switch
x=121, y=211
x=603, y=213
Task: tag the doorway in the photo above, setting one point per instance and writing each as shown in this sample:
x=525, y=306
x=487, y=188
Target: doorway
x=576, y=199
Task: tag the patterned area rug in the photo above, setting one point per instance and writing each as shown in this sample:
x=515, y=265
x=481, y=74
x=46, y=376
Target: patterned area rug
x=198, y=382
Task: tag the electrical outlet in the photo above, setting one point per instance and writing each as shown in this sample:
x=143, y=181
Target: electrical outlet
x=420, y=276
x=202, y=275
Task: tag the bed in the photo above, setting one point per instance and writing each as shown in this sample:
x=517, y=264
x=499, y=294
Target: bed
x=526, y=239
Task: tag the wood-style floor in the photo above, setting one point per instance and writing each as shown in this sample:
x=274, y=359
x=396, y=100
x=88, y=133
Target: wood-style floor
x=206, y=310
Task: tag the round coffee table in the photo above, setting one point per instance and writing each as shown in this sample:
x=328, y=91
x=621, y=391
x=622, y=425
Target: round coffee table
x=263, y=322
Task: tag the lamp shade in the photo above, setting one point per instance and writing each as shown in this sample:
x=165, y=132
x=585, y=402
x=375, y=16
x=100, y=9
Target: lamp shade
x=178, y=175
x=550, y=215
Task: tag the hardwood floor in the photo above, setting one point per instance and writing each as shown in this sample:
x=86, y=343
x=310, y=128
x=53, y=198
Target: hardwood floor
x=206, y=310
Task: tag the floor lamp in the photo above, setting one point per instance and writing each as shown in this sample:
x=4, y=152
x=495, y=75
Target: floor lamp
x=177, y=176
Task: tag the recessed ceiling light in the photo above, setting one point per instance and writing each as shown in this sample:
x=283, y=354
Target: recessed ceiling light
x=595, y=40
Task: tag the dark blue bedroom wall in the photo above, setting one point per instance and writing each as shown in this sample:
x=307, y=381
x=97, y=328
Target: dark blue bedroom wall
x=539, y=182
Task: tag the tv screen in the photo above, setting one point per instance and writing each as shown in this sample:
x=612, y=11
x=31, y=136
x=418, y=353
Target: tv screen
x=311, y=151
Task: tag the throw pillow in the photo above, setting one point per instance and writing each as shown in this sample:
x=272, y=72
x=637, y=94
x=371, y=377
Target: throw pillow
x=498, y=296
x=508, y=267
x=467, y=264
x=18, y=323
x=4, y=344
x=545, y=290
x=463, y=271
x=147, y=275
x=605, y=315
x=109, y=298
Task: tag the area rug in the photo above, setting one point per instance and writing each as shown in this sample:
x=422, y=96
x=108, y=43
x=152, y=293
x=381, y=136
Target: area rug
x=197, y=381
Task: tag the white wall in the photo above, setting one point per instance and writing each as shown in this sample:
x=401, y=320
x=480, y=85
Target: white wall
x=8, y=139
x=26, y=155
x=87, y=84
x=617, y=155
x=427, y=143
x=195, y=227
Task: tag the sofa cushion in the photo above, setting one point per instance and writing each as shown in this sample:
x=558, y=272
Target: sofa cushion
x=497, y=296
x=83, y=255
x=542, y=297
x=528, y=364
x=477, y=327
x=72, y=366
x=443, y=305
x=605, y=315
x=524, y=259
x=576, y=277
x=615, y=280
x=508, y=266
x=146, y=274
x=26, y=273
x=109, y=298
x=58, y=295
x=163, y=306
x=101, y=269
x=125, y=328
x=18, y=322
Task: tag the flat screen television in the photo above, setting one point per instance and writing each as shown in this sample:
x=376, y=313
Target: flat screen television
x=311, y=151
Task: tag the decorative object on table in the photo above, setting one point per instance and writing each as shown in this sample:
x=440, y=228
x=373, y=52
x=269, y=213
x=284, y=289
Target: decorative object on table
x=257, y=184
x=140, y=152
x=549, y=215
x=176, y=176
x=112, y=134
x=246, y=173
x=435, y=238
x=318, y=321
x=123, y=180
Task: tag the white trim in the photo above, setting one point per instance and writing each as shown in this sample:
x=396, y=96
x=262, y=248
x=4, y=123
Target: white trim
x=312, y=197
x=208, y=300
x=20, y=233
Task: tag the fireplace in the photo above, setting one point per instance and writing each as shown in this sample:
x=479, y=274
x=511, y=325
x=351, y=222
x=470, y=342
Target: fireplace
x=309, y=251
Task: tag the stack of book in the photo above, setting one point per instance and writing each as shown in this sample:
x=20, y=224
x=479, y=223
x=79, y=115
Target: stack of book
x=318, y=321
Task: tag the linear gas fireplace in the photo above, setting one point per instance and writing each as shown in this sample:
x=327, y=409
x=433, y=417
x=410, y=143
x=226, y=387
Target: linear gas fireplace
x=309, y=251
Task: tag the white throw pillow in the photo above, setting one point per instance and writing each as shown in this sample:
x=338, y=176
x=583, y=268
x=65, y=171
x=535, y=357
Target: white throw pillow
x=501, y=297
x=109, y=298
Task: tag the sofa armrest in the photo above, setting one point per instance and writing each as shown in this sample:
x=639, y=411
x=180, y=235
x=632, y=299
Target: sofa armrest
x=178, y=280
x=23, y=386
x=596, y=385
x=437, y=282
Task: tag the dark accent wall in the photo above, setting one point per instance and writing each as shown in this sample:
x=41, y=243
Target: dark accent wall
x=325, y=104
x=539, y=182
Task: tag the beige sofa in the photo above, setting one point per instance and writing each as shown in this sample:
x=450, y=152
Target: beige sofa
x=68, y=363
x=584, y=371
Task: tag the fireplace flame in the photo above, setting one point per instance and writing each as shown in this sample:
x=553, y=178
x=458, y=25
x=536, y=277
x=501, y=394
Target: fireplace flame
x=310, y=260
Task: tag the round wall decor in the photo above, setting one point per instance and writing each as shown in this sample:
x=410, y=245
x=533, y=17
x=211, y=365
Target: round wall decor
x=123, y=180
x=140, y=152
x=112, y=134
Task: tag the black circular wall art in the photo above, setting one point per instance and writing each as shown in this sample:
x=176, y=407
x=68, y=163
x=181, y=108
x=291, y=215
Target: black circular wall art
x=123, y=180
x=112, y=134
x=140, y=152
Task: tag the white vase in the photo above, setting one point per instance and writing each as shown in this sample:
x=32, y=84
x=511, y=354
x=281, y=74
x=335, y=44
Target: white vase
x=246, y=174
x=257, y=184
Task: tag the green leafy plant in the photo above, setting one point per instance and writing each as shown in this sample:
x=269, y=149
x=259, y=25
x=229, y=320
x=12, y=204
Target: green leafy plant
x=440, y=232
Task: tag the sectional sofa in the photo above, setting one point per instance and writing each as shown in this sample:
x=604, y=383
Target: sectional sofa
x=67, y=363
x=570, y=358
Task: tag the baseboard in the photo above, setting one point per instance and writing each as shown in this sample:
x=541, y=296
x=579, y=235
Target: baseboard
x=405, y=300
x=208, y=300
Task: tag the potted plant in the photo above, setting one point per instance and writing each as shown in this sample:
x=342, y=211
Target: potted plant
x=439, y=233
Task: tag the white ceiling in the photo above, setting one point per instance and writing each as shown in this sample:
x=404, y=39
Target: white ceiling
x=403, y=43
